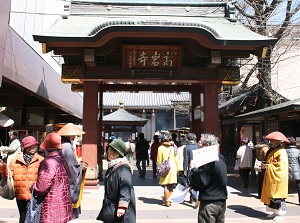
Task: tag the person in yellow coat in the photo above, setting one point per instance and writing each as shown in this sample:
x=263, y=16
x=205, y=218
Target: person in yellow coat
x=275, y=184
x=167, y=150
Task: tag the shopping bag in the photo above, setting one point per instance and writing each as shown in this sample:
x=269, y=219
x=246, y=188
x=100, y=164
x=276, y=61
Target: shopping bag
x=7, y=190
x=179, y=194
x=34, y=209
x=237, y=164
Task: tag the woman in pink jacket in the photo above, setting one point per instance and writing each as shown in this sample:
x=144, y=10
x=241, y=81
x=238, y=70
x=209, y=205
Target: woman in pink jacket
x=53, y=183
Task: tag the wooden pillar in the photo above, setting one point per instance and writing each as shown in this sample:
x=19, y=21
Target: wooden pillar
x=211, y=112
x=90, y=138
x=196, y=123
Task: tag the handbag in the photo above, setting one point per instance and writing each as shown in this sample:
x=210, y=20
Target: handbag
x=108, y=211
x=7, y=190
x=164, y=167
x=34, y=209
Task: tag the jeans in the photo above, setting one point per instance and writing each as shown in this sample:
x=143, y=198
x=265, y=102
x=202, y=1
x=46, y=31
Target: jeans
x=142, y=171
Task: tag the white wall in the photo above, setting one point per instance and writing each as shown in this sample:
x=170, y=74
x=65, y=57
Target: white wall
x=30, y=17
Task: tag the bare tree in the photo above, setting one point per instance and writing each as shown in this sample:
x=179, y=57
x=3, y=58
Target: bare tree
x=273, y=18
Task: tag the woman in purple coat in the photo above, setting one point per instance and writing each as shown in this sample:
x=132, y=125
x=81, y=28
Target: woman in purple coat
x=53, y=183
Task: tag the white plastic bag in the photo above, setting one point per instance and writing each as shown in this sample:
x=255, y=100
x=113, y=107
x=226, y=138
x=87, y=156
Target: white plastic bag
x=237, y=164
x=179, y=194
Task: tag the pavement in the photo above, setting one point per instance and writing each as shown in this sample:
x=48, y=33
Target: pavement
x=242, y=204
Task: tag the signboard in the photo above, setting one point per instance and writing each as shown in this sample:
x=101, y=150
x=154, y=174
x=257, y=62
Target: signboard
x=152, y=57
x=205, y=155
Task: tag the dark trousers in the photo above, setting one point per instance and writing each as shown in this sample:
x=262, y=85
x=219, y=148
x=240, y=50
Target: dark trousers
x=211, y=213
x=22, y=206
x=142, y=171
x=260, y=183
x=154, y=168
x=244, y=173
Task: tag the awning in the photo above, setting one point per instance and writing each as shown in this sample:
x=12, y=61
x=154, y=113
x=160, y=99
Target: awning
x=5, y=121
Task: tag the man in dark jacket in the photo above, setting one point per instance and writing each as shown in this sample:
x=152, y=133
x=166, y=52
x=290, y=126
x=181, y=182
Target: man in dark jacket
x=142, y=147
x=187, y=157
x=294, y=163
x=211, y=182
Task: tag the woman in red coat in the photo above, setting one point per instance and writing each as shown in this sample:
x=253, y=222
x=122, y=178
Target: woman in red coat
x=153, y=153
x=53, y=183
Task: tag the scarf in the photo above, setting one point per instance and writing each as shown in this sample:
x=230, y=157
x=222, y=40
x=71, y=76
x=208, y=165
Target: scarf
x=113, y=163
x=27, y=158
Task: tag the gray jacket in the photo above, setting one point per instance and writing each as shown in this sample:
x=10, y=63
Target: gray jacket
x=294, y=162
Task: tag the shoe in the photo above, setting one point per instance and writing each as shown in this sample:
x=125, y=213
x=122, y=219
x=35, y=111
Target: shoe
x=278, y=218
x=271, y=215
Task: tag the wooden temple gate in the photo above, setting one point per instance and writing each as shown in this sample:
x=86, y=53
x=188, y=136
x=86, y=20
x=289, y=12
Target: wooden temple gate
x=161, y=47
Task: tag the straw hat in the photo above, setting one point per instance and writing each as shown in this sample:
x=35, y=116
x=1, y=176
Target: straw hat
x=70, y=130
x=277, y=136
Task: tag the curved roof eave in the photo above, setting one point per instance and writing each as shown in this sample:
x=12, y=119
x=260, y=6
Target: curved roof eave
x=90, y=29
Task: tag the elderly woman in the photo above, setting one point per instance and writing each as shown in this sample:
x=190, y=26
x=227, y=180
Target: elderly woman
x=119, y=197
x=167, y=151
x=275, y=184
x=53, y=183
x=24, y=169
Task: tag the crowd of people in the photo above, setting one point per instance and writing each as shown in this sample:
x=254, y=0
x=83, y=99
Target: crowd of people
x=58, y=176
x=55, y=178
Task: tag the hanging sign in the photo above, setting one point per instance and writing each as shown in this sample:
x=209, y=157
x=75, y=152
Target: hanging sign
x=152, y=57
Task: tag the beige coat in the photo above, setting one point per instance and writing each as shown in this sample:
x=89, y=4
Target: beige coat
x=275, y=183
x=162, y=154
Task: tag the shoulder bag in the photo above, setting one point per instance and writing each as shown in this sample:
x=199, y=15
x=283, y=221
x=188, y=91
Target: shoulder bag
x=34, y=209
x=7, y=190
x=164, y=168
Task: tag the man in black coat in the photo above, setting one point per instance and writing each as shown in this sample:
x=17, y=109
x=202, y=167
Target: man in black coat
x=187, y=157
x=211, y=182
x=142, y=147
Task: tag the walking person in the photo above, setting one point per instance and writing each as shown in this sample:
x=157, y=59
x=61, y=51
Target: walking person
x=142, y=147
x=167, y=151
x=294, y=163
x=118, y=187
x=187, y=157
x=211, y=182
x=14, y=148
x=130, y=150
x=244, y=155
x=53, y=182
x=153, y=154
x=77, y=169
x=275, y=185
x=24, y=168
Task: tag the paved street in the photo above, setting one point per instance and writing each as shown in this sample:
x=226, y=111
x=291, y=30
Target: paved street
x=242, y=205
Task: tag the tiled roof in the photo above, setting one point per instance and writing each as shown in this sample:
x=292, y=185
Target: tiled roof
x=87, y=26
x=122, y=116
x=143, y=100
x=285, y=106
